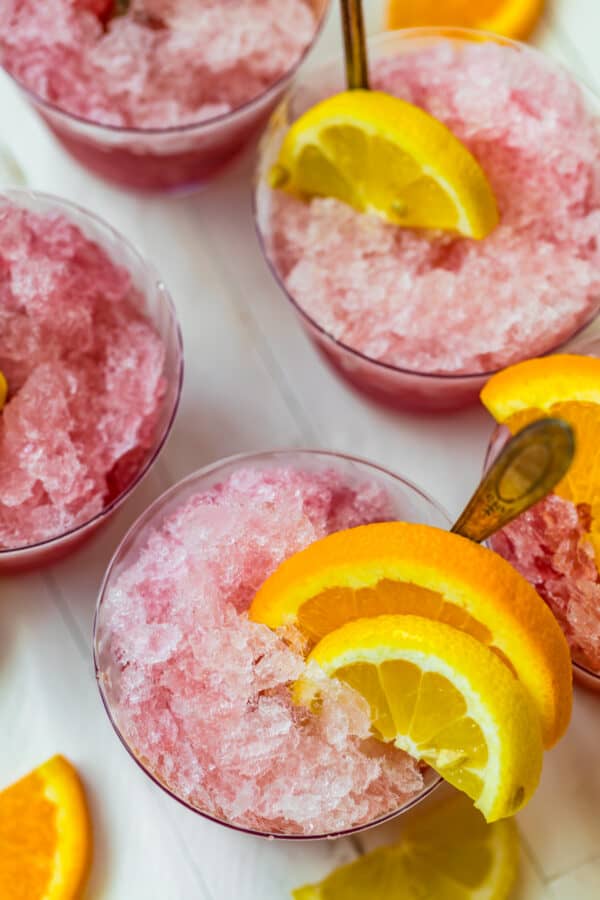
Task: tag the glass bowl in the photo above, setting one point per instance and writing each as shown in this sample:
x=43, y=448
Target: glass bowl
x=172, y=159
x=581, y=673
x=409, y=502
x=389, y=385
x=156, y=305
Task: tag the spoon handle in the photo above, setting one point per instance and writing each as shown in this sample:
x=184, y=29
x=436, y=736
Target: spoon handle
x=529, y=466
x=355, y=45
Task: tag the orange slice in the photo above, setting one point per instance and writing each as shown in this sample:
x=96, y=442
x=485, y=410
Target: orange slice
x=512, y=18
x=45, y=835
x=399, y=568
x=566, y=386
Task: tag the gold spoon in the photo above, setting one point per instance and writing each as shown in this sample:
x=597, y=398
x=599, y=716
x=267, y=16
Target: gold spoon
x=529, y=466
x=355, y=45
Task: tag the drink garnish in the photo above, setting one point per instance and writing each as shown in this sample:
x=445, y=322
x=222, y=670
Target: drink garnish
x=382, y=155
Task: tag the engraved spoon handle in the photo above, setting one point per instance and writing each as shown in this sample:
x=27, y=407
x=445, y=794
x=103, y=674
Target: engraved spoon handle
x=355, y=45
x=529, y=466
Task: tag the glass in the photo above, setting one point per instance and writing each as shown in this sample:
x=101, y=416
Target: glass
x=410, y=503
x=384, y=383
x=584, y=676
x=178, y=158
x=156, y=305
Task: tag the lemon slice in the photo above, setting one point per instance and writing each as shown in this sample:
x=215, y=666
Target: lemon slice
x=408, y=569
x=382, y=155
x=45, y=835
x=444, y=698
x=448, y=853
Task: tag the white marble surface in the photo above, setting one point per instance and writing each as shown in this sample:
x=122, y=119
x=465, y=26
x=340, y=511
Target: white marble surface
x=252, y=382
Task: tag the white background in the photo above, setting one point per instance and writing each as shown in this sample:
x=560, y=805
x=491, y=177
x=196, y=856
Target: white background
x=252, y=382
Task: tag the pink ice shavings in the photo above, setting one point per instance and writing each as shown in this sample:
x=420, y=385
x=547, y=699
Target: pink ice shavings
x=202, y=695
x=549, y=546
x=165, y=63
x=85, y=376
x=433, y=302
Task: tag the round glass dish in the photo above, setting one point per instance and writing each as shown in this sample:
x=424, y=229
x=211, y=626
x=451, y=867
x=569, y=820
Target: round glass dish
x=156, y=305
x=178, y=158
x=409, y=503
x=387, y=384
x=581, y=673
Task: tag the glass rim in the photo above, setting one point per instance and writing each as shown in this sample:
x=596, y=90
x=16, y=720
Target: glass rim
x=490, y=455
x=222, y=118
x=98, y=221
x=142, y=521
x=468, y=35
x=585, y=671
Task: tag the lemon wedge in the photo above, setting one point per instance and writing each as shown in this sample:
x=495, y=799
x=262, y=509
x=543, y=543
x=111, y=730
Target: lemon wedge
x=444, y=698
x=383, y=155
x=447, y=853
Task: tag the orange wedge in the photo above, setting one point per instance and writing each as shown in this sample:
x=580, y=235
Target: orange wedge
x=567, y=386
x=45, y=835
x=397, y=568
x=515, y=19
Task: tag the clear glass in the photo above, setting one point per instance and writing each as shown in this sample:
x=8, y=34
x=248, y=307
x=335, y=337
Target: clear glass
x=165, y=159
x=410, y=504
x=388, y=385
x=584, y=676
x=156, y=305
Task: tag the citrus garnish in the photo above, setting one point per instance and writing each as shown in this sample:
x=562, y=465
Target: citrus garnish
x=444, y=698
x=512, y=18
x=3, y=390
x=566, y=386
x=447, y=853
x=402, y=568
x=45, y=835
x=383, y=155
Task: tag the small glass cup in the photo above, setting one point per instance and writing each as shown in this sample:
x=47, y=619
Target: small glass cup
x=174, y=159
x=156, y=305
x=581, y=673
x=386, y=384
x=410, y=504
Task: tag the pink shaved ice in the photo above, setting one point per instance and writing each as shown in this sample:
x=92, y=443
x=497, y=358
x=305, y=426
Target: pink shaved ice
x=165, y=63
x=84, y=372
x=202, y=694
x=549, y=545
x=434, y=302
